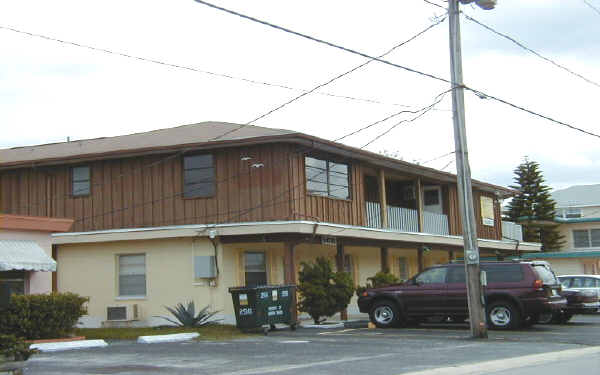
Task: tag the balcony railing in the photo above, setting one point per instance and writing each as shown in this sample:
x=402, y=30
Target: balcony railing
x=511, y=231
x=407, y=219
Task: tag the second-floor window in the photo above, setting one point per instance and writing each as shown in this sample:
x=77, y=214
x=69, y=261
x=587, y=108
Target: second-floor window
x=198, y=176
x=327, y=178
x=586, y=238
x=80, y=181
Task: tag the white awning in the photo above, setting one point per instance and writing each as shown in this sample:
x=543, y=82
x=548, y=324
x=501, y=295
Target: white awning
x=24, y=255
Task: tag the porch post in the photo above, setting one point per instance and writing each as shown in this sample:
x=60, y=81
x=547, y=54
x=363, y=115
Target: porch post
x=385, y=261
x=339, y=261
x=420, y=259
x=419, y=196
x=289, y=275
x=382, y=200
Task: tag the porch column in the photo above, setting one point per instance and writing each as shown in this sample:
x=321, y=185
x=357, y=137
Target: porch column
x=385, y=261
x=419, y=197
x=420, y=260
x=289, y=275
x=382, y=200
x=339, y=261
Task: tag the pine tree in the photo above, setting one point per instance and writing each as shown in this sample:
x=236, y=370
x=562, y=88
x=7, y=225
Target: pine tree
x=533, y=205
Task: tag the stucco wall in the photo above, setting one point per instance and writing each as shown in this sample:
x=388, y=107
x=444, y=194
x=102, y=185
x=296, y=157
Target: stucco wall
x=39, y=282
x=91, y=270
x=567, y=231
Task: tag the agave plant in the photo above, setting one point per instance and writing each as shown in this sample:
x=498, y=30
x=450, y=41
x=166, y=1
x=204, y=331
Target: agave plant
x=186, y=316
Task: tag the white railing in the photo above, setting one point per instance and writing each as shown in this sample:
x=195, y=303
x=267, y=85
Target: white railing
x=407, y=219
x=403, y=219
x=512, y=231
x=435, y=223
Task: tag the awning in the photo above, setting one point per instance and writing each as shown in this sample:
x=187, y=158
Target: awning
x=24, y=255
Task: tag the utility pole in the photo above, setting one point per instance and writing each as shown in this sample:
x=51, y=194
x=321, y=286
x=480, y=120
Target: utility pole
x=465, y=191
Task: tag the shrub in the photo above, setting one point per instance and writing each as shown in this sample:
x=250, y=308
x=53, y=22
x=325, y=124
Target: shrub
x=322, y=291
x=14, y=348
x=380, y=279
x=42, y=316
x=186, y=316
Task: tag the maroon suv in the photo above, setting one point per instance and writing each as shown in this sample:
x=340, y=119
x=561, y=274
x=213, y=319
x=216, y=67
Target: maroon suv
x=516, y=294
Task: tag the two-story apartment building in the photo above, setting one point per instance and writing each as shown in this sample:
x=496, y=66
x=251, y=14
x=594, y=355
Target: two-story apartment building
x=578, y=216
x=185, y=213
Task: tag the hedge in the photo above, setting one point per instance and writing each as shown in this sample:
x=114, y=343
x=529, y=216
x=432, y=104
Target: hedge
x=42, y=316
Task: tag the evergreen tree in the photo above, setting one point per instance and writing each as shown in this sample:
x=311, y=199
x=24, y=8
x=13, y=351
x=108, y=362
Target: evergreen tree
x=323, y=292
x=533, y=207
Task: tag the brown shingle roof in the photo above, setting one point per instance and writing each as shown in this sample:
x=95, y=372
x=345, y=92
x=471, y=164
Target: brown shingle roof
x=156, y=139
x=202, y=135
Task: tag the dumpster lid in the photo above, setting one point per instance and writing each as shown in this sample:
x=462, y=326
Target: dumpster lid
x=262, y=287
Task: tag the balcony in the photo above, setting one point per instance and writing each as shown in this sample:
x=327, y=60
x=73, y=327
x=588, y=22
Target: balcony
x=407, y=219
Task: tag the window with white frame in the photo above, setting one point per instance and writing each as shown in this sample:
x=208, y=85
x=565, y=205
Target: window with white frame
x=583, y=238
x=132, y=275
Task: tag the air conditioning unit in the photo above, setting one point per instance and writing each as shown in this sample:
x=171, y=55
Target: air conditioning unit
x=122, y=313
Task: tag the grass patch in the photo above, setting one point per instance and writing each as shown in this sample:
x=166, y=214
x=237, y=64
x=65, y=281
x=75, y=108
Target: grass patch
x=208, y=332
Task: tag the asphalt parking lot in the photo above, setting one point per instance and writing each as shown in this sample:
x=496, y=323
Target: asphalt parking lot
x=333, y=351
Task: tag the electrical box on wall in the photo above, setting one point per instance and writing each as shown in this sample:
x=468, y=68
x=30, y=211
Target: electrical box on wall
x=205, y=267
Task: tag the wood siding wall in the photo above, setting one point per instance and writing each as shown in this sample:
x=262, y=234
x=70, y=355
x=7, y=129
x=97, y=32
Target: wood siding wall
x=483, y=231
x=147, y=191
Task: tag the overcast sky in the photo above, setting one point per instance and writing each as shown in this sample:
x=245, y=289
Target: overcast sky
x=50, y=91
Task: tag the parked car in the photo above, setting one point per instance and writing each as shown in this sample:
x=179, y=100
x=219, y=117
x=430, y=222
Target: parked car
x=578, y=302
x=516, y=294
x=581, y=282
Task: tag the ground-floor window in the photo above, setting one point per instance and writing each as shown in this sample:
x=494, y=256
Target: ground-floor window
x=255, y=268
x=11, y=282
x=132, y=275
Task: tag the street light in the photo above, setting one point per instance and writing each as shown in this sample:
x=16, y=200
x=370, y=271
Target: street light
x=483, y=4
x=475, y=298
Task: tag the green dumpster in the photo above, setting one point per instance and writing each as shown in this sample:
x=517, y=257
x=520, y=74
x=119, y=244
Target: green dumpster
x=264, y=306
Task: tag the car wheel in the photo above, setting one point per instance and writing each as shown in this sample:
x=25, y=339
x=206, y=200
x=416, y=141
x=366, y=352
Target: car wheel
x=385, y=314
x=546, y=318
x=563, y=318
x=503, y=315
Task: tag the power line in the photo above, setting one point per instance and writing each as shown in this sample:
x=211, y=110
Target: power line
x=189, y=68
x=423, y=111
x=591, y=6
x=438, y=157
x=480, y=93
x=321, y=41
x=483, y=95
x=439, y=21
x=513, y=40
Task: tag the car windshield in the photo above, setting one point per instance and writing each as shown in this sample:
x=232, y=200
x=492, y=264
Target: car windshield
x=545, y=274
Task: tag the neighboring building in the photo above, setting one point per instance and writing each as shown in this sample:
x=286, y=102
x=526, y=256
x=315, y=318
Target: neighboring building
x=26, y=264
x=185, y=213
x=578, y=213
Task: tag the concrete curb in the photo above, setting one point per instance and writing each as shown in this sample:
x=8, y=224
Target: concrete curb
x=176, y=337
x=69, y=345
x=323, y=326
